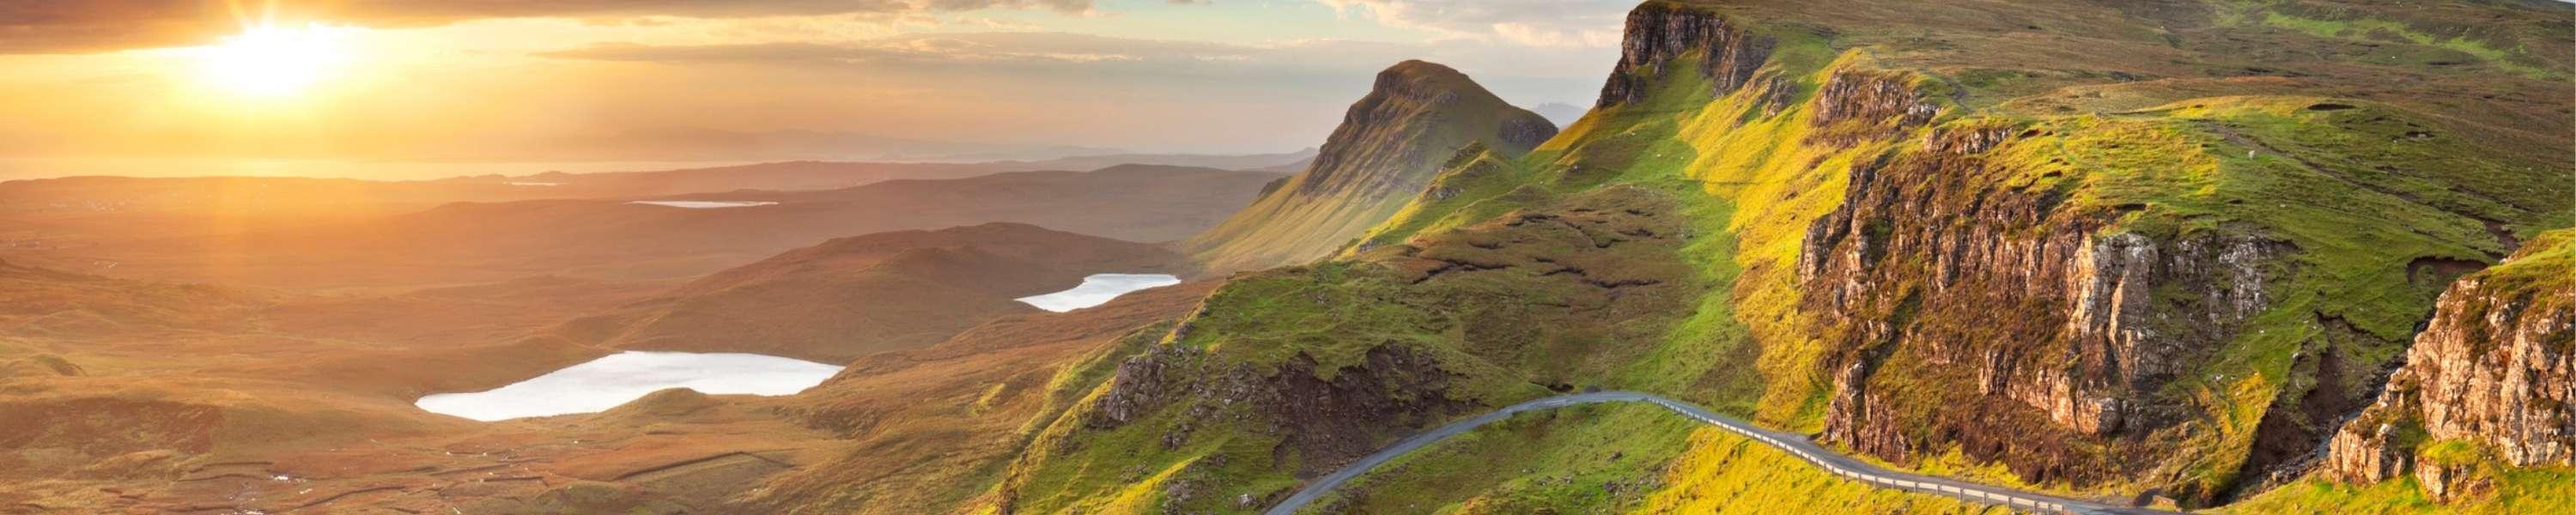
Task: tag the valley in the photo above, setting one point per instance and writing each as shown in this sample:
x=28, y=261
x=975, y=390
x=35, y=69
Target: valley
x=2003, y=256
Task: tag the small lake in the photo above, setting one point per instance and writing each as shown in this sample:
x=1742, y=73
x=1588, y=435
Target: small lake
x=607, y=382
x=703, y=204
x=1099, y=289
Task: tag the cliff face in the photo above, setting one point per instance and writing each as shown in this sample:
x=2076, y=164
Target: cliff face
x=1857, y=105
x=2018, y=298
x=1386, y=150
x=1660, y=34
x=2069, y=300
x=2491, y=378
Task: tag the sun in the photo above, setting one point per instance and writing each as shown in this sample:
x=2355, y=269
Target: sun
x=269, y=61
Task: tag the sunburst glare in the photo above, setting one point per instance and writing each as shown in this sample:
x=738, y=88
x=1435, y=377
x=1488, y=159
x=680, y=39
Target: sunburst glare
x=269, y=61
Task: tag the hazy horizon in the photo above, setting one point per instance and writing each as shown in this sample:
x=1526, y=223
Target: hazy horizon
x=25, y=168
x=459, y=85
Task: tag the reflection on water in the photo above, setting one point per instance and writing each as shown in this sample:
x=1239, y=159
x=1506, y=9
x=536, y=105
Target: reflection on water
x=609, y=381
x=1098, y=289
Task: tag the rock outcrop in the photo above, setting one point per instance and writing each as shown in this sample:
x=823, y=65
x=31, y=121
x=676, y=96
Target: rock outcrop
x=1324, y=417
x=2032, y=306
x=2490, y=379
x=1856, y=105
x=1660, y=34
x=1388, y=148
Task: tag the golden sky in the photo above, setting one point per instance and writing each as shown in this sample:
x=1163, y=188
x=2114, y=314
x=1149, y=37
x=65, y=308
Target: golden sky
x=744, y=79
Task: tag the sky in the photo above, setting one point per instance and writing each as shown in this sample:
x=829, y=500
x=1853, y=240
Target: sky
x=604, y=80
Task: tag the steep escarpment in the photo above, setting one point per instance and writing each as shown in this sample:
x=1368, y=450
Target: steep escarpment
x=2076, y=279
x=855, y=296
x=2488, y=383
x=1661, y=34
x=1387, y=148
x=1930, y=270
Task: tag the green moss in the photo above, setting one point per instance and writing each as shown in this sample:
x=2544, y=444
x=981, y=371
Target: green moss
x=2452, y=453
x=2542, y=266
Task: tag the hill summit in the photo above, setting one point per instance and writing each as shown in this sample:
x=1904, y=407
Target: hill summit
x=1386, y=150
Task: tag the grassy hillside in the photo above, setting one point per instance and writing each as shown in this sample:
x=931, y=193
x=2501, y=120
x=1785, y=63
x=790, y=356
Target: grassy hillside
x=1387, y=147
x=1614, y=459
x=931, y=428
x=856, y=296
x=1854, y=219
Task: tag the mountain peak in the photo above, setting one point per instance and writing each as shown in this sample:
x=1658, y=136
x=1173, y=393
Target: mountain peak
x=1389, y=146
x=1417, y=69
x=1418, y=78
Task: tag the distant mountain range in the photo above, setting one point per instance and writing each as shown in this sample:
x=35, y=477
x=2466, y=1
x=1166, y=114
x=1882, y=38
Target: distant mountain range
x=700, y=144
x=302, y=196
x=471, y=242
x=851, y=297
x=1560, y=113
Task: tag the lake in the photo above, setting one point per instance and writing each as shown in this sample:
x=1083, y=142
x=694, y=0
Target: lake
x=609, y=381
x=1099, y=289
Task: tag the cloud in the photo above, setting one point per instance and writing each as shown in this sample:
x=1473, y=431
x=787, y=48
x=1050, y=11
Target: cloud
x=1546, y=23
x=82, y=27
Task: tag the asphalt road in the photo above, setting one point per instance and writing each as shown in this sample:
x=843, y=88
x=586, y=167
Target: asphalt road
x=1796, y=445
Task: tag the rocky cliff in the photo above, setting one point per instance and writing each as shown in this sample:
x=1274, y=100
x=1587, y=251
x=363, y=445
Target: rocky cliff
x=2025, y=270
x=2489, y=381
x=1389, y=145
x=2017, y=298
x=1660, y=34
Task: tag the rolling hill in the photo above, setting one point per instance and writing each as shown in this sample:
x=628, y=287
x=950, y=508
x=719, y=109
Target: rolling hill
x=851, y=297
x=468, y=243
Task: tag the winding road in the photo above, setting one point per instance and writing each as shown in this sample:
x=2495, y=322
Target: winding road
x=1836, y=464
